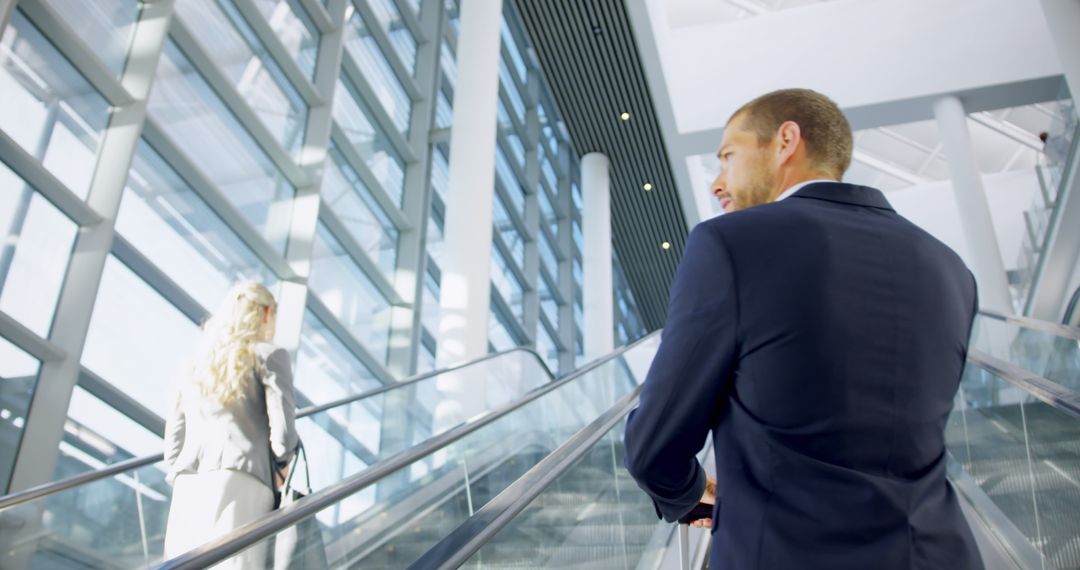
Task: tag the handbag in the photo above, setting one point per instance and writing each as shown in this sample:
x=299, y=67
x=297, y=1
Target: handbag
x=301, y=545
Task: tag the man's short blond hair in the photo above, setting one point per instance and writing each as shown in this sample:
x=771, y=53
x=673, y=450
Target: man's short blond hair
x=823, y=126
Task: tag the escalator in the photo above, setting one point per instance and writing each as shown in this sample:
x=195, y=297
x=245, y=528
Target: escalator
x=1013, y=441
x=394, y=511
x=115, y=517
x=555, y=494
x=539, y=482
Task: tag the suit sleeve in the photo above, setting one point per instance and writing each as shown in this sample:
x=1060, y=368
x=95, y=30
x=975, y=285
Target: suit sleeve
x=688, y=380
x=280, y=405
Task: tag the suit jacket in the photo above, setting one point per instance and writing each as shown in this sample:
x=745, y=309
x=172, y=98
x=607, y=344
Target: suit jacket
x=821, y=339
x=202, y=436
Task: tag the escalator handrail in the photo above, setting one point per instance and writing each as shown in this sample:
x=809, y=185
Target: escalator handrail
x=119, y=467
x=1035, y=324
x=225, y=546
x=1049, y=392
x=469, y=537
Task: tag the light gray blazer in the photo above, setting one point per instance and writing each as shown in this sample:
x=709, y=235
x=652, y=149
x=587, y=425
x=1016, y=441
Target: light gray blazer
x=203, y=436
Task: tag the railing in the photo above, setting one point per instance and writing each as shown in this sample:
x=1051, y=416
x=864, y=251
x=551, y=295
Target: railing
x=1059, y=156
x=50, y=488
x=244, y=537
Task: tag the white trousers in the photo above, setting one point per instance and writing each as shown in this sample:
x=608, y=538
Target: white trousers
x=208, y=505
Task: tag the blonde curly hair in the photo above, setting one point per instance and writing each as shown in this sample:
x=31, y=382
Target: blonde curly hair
x=225, y=358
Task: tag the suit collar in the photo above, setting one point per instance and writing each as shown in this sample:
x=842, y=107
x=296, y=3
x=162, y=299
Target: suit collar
x=844, y=194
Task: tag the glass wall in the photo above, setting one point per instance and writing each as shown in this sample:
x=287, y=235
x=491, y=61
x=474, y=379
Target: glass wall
x=231, y=174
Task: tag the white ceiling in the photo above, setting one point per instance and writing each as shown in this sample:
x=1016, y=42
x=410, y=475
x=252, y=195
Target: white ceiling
x=902, y=156
x=881, y=60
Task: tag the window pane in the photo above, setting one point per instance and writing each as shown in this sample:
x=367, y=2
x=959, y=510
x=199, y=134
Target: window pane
x=390, y=19
x=448, y=61
x=498, y=335
x=440, y=172
x=506, y=283
x=49, y=109
x=434, y=236
x=370, y=142
x=168, y=223
x=105, y=25
x=96, y=435
x=187, y=109
x=235, y=48
x=511, y=88
x=325, y=369
x=547, y=254
x=547, y=212
x=546, y=346
x=516, y=147
x=547, y=300
x=137, y=340
x=430, y=313
x=372, y=63
x=345, y=194
x=18, y=378
x=509, y=181
x=294, y=28
x=444, y=112
x=511, y=237
x=549, y=172
x=34, y=254
x=349, y=294
x=510, y=42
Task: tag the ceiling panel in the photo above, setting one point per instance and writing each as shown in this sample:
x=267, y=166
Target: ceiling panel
x=589, y=56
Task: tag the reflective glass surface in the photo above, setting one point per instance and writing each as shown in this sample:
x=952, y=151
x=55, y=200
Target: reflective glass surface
x=119, y=521
x=507, y=283
x=196, y=120
x=293, y=26
x=1022, y=454
x=49, y=108
x=547, y=254
x=591, y=516
x=510, y=42
x=138, y=341
x=107, y=26
x=509, y=180
x=1052, y=356
x=499, y=336
x=349, y=294
x=365, y=51
x=345, y=194
x=163, y=218
x=390, y=20
x=368, y=140
x=546, y=346
x=455, y=481
x=18, y=379
x=548, y=305
x=511, y=89
x=37, y=242
x=235, y=48
x=325, y=369
x=508, y=231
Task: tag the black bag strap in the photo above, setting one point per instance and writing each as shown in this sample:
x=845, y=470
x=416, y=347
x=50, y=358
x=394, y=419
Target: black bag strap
x=292, y=469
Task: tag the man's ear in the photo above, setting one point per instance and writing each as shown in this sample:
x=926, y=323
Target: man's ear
x=788, y=137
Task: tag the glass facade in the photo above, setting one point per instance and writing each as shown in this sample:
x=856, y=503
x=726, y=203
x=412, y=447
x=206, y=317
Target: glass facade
x=221, y=186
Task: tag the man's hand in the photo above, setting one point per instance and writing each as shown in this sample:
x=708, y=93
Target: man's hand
x=709, y=498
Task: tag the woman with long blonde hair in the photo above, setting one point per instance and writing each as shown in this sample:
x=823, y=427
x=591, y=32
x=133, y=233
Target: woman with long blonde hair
x=230, y=422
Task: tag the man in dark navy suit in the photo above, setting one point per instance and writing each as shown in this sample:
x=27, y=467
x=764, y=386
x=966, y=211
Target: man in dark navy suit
x=820, y=337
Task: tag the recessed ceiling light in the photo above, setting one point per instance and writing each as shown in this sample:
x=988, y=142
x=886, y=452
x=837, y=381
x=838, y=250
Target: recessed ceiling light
x=647, y=186
x=665, y=245
x=625, y=116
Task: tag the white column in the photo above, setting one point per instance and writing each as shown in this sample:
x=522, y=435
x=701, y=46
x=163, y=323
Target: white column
x=975, y=220
x=465, y=289
x=596, y=225
x=1062, y=19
